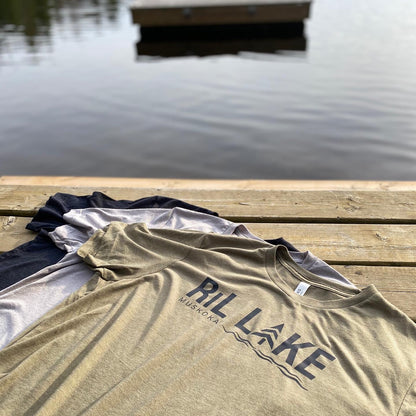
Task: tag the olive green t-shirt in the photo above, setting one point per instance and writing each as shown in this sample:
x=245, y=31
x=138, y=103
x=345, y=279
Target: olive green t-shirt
x=187, y=323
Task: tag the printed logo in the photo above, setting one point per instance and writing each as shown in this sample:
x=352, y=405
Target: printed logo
x=199, y=310
x=268, y=334
x=267, y=358
x=292, y=356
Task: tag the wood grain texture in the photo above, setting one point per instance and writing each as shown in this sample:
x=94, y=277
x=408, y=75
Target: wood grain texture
x=215, y=184
x=396, y=284
x=243, y=204
x=13, y=232
x=348, y=243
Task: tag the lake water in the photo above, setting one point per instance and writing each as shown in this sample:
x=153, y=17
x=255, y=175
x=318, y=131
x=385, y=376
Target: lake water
x=79, y=96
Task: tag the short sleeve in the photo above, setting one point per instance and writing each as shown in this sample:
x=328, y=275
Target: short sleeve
x=124, y=251
x=408, y=406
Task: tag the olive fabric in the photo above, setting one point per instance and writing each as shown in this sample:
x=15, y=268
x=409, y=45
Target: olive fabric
x=183, y=322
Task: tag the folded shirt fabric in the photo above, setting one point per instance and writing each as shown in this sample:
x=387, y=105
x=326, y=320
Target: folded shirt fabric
x=85, y=222
x=182, y=322
x=28, y=300
x=34, y=255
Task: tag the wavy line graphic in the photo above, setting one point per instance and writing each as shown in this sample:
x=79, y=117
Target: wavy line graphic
x=281, y=367
x=239, y=338
x=265, y=357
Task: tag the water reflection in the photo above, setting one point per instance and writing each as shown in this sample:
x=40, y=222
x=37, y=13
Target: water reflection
x=30, y=23
x=32, y=26
x=87, y=108
x=221, y=39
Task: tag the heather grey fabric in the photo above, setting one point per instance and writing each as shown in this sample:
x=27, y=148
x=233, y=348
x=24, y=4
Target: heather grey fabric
x=89, y=220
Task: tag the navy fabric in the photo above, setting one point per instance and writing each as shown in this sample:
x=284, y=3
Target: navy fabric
x=27, y=259
x=282, y=242
x=41, y=252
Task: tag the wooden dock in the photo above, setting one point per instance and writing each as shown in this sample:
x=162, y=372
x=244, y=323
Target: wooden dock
x=366, y=230
x=162, y=13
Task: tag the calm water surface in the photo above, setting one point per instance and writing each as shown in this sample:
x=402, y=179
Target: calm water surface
x=79, y=97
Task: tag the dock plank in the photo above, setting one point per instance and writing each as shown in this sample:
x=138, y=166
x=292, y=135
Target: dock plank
x=348, y=243
x=206, y=184
x=366, y=230
x=386, y=278
x=396, y=284
x=13, y=232
x=197, y=12
x=244, y=205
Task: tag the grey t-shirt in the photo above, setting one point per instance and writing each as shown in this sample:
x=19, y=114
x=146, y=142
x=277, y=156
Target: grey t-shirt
x=87, y=221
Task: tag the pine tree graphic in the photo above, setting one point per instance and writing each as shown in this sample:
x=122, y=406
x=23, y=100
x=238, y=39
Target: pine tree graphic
x=268, y=334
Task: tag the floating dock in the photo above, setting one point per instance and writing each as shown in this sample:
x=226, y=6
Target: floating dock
x=365, y=230
x=166, y=13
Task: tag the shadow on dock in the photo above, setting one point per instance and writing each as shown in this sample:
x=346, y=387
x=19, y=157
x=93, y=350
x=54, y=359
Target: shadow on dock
x=210, y=40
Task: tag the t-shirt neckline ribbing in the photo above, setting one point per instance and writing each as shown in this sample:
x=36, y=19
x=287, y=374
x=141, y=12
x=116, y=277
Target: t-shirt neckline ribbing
x=278, y=256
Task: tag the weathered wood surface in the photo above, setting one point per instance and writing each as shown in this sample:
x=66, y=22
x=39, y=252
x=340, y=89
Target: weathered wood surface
x=149, y=13
x=204, y=184
x=366, y=230
x=245, y=204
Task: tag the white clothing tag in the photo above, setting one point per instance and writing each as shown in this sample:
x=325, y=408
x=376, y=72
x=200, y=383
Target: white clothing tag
x=302, y=288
